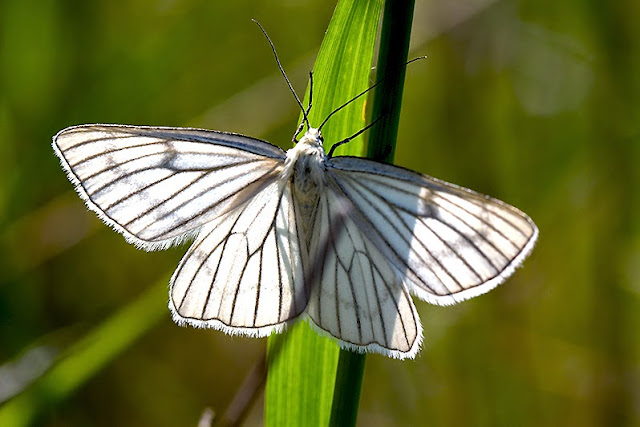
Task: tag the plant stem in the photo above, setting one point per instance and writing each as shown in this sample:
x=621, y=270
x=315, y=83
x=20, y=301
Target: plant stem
x=302, y=365
x=394, y=47
x=346, y=392
x=387, y=101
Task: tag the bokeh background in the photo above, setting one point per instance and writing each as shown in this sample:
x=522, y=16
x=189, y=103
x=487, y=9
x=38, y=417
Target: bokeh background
x=534, y=102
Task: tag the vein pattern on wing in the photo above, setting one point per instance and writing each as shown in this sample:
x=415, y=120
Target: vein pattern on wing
x=447, y=241
x=244, y=274
x=359, y=297
x=157, y=184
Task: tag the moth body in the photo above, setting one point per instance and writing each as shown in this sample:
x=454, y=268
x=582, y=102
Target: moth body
x=305, y=166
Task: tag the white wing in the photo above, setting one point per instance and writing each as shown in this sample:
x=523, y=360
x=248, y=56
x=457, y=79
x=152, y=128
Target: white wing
x=357, y=296
x=244, y=274
x=447, y=242
x=155, y=185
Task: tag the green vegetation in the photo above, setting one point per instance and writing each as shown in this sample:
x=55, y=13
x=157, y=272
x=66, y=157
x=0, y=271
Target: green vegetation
x=536, y=103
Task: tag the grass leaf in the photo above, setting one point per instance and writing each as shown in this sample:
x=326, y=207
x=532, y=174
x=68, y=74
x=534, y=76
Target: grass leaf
x=302, y=364
x=88, y=356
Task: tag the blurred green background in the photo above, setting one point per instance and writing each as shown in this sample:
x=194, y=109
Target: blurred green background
x=533, y=102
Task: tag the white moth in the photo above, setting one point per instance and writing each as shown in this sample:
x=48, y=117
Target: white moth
x=342, y=241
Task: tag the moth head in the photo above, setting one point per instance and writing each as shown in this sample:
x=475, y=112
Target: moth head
x=312, y=137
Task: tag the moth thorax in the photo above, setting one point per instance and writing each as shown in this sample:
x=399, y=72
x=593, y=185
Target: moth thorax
x=308, y=174
x=305, y=164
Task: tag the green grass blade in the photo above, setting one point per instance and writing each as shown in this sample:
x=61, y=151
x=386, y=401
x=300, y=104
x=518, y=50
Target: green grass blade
x=394, y=46
x=346, y=392
x=87, y=357
x=302, y=364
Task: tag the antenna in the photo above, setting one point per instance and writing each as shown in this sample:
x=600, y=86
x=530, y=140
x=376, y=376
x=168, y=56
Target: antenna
x=305, y=119
x=305, y=113
x=362, y=93
x=344, y=141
